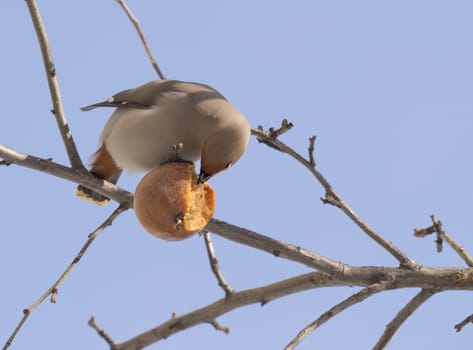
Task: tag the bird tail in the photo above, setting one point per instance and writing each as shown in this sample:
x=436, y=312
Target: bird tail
x=87, y=194
x=103, y=167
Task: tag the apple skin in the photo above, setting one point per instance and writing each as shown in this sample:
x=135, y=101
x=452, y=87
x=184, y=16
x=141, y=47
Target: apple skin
x=170, y=204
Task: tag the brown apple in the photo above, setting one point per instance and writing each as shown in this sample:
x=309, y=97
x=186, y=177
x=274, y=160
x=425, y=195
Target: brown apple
x=170, y=204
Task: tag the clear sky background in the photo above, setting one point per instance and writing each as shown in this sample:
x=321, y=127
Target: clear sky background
x=387, y=88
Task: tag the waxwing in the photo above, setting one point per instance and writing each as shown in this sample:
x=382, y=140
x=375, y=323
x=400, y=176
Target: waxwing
x=150, y=120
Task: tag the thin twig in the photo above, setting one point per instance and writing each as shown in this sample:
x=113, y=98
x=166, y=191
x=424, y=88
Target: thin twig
x=437, y=224
x=437, y=228
x=53, y=290
x=53, y=83
x=219, y=327
x=214, y=265
x=402, y=316
x=273, y=134
x=136, y=23
x=422, y=232
x=266, y=138
x=104, y=335
x=311, y=150
x=285, y=127
x=459, y=326
x=345, y=304
x=451, y=242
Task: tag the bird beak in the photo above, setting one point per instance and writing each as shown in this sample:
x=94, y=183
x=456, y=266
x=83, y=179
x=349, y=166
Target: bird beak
x=203, y=177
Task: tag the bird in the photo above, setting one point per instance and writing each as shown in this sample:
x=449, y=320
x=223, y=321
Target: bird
x=163, y=121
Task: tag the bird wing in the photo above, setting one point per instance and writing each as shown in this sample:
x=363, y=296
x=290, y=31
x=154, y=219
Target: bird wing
x=154, y=92
x=141, y=97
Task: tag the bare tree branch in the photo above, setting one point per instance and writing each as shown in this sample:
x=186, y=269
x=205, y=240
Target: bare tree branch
x=311, y=150
x=79, y=177
x=437, y=228
x=53, y=83
x=345, y=304
x=459, y=326
x=274, y=133
x=214, y=265
x=402, y=316
x=102, y=333
x=451, y=242
x=275, y=247
x=378, y=278
x=53, y=290
x=268, y=139
x=136, y=23
x=208, y=313
x=331, y=273
x=219, y=327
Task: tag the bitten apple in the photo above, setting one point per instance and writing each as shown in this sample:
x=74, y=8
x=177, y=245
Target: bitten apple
x=170, y=204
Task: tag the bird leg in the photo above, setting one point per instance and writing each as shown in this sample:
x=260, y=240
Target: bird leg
x=176, y=158
x=177, y=147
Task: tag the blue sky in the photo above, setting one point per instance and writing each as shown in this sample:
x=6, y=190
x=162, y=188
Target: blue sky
x=387, y=88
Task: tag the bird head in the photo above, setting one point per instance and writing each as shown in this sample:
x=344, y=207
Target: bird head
x=223, y=148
